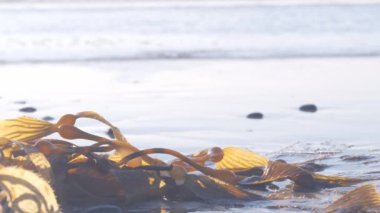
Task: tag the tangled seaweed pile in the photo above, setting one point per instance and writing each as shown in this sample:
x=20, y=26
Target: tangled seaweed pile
x=51, y=175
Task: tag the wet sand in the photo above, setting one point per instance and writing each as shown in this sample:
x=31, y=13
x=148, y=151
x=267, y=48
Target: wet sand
x=189, y=105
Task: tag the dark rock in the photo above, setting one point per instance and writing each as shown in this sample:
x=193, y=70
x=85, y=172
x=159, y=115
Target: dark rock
x=110, y=133
x=308, y=108
x=28, y=109
x=20, y=102
x=355, y=157
x=47, y=118
x=255, y=115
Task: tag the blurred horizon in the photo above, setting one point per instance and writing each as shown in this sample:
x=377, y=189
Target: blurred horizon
x=129, y=30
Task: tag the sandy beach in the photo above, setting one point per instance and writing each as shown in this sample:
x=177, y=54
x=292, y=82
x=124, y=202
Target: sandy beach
x=186, y=104
x=188, y=82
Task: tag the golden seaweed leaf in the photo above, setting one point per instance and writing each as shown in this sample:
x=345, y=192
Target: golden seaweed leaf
x=214, y=154
x=125, y=149
x=362, y=199
x=27, y=192
x=240, y=159
x=25, y=129
x=4, y=142
x=5, y=147
x=40, y=163
x=28, y=157
x=121, y=145
x=93, y=115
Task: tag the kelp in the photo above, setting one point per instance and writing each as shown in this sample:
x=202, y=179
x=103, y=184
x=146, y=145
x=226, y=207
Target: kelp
x=26, y=191
x=114, y=173
x=304, y=179
x=362, y=199
x=239, y=159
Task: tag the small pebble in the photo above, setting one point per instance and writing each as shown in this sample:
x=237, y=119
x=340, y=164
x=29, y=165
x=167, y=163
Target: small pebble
x=110, y=133
x=255, y=115
x=355, y=157
x=28, y=109
x=308, y=108
x=47, y=118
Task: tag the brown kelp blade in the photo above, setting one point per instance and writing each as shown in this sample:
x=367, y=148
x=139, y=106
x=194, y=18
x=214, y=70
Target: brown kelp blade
x=121, y=145
x=93, y=115
x=26, y=191
x=336, y=181
x=278, y=170
x=86, y=184
x=214, y=154
x=240, y=159
x=139, y=185
x=362, y=199
x=26, y=156
x=208, y=188
x=40, y=163
x=25, y=129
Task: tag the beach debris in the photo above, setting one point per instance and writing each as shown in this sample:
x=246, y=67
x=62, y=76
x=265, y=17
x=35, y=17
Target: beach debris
x=308, y=108
x=255, y=115
x=111, y=174
x=303, y=179
x=28, y=109
x=238, y=159
x=25, y=191
x=362, y=199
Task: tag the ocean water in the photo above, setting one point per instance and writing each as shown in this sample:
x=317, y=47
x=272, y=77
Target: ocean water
x=83, y=32
x=69, y=57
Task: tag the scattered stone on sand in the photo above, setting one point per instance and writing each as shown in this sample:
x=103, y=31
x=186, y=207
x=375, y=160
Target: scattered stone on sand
x=47, y=118
x=110, y=133
x=28, y=109
x=20, y=102
x=355, y=157
x=308, y=108
x=255, y=115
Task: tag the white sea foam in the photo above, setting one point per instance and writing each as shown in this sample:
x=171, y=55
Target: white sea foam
x=122, y=31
